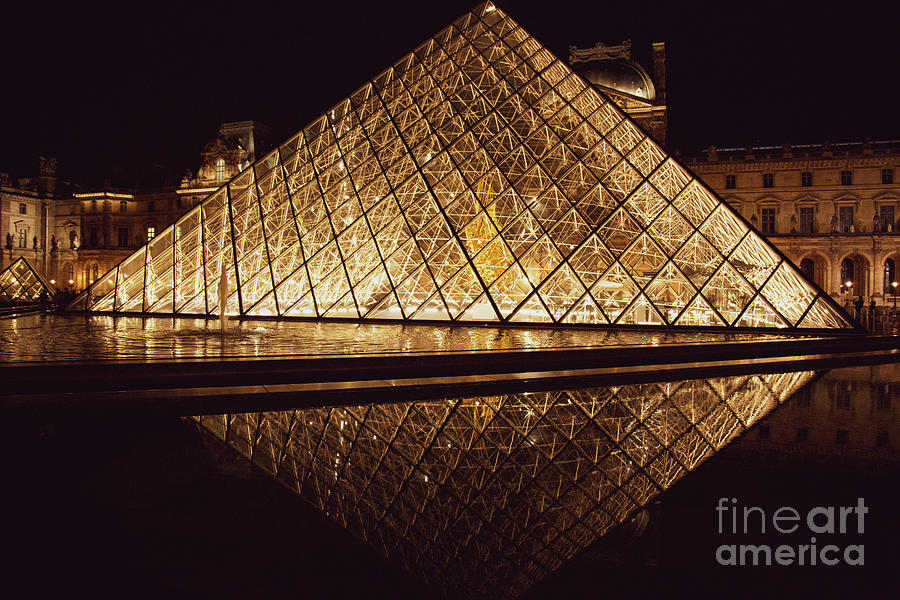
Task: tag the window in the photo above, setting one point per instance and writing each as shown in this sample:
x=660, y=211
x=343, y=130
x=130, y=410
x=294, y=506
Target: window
x=886, y=216
x=730, y=182
x=887, y=176
x=70, y=273
x=123, y=206
x=846, y=178
x=806, y=178
x=845, y=216
x=123, y=237
x=93, y=237
x=220, y=169
x=151, y=206
x=842, y=436
x=807, y=219
x=151, y=232
x=768, y=180
x=803, y=434
x=768, y=220
x=23, y=237
x=23, y=209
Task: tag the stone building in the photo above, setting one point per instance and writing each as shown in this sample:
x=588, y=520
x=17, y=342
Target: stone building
x=831, y=208
x=73, y=238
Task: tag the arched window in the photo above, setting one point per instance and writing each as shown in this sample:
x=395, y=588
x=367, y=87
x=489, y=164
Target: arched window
x=70, y=273
x=890, y=275
x=808, y=266
x=220, y=169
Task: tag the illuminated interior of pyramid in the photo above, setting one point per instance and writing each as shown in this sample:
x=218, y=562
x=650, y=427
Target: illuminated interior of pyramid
x=476, y=179
x=19, y=283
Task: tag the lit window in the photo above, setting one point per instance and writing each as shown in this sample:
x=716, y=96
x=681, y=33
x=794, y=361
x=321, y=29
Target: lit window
x=807, y=219
x=806, y=179
x=845, y=213
x=730, y=182
x=768, y=180
x=151, y=231
x=23, y=209
x=846, y=178
x=887, y=176
x=220, y=169
x=123, y=206
x=886, y=216
x=768, y=220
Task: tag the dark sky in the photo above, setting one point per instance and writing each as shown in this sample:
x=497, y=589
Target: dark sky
x=114, y=89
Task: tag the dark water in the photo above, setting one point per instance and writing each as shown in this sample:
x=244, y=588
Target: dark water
x=161, y=509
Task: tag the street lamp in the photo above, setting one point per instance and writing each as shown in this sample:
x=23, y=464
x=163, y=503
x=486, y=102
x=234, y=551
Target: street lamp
x=894, y=286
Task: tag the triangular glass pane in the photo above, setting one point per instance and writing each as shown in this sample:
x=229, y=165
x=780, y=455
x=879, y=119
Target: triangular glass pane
x=492, y=261
x=699, y=314
x=670, y=230
x=591, y=260
x=754, y=259
x=643, y=259
x=417, y=288
x=761, y=314
x=789, y=293
x=532, y=312
x=645, y=204
x=480, y=310
x=386, y=309
x=560, y=291
x=698, y=260
x=461, y=290
x=585, y=311
x=433, y=309
x=509, y=290
x=670, y=292
x=723, y=229
x=641, y=312
x=614, y=291
x=619, y=231
x=728, y=292
x=821, y=315
x=540, y=260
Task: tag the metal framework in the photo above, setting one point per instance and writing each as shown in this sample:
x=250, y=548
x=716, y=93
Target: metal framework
x=19, y=283
x=476, y=179
x=485, y=496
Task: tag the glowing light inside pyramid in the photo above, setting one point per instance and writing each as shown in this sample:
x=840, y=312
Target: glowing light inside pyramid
x=20, y=283
x=477, y=179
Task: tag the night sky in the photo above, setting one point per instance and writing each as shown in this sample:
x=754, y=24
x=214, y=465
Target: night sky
x=129, y=91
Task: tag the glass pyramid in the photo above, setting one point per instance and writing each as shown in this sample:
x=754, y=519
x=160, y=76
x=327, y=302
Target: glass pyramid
x=476, y=179
x=485, y=496
x=19, y=283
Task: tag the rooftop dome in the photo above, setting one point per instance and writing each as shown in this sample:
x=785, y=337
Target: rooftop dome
x=622, y=75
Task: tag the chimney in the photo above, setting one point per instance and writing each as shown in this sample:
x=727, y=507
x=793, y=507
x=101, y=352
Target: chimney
x=659, y=70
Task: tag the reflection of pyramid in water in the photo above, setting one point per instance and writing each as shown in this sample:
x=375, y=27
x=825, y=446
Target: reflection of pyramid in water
x=477, y=179
x=20, y=283
x=486, y=496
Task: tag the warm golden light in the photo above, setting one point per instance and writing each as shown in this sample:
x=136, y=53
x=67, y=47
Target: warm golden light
x=457, y=186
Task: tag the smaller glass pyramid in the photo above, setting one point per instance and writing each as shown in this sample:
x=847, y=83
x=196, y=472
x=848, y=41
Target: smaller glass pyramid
x=19, y=283
x=477, y=179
